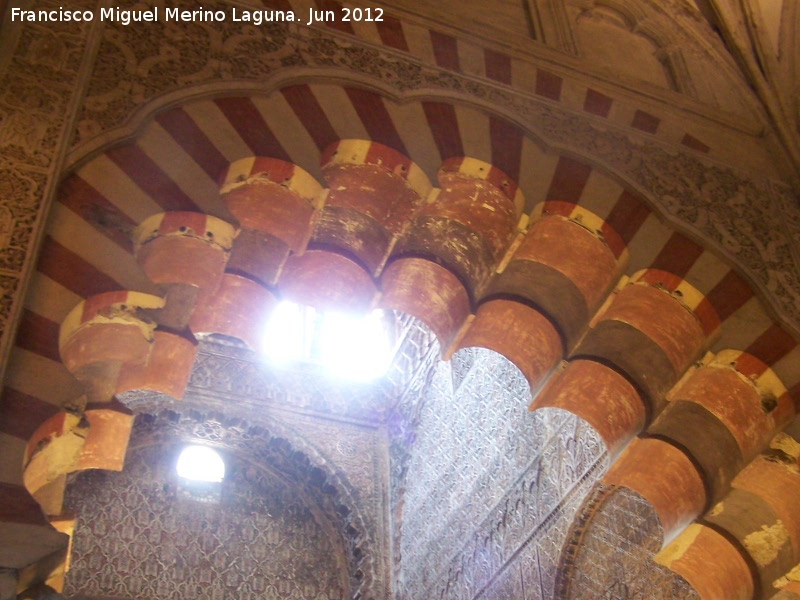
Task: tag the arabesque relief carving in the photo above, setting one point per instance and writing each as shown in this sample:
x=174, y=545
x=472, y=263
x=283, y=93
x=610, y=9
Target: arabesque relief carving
x=346, y=489
x=138, y=538
x=37, y=88
x=488, y=489
x=622, y=527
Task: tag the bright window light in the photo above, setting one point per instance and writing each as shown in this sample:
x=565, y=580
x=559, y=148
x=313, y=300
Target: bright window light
x=201, y=463
x=356, y=348
x=284, y=338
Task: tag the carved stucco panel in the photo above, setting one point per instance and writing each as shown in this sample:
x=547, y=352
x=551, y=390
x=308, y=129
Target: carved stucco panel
x=38, y=85
x=9, y=284
x=525, y=531
x=613, y=542
x=334, y=435
x=790, y=213
x=355, y=453
x=138, y=538
x=18, y=219
x=485, y=480
x=31, y=116
x=272, y=438
x=243, y=375
x=137, y=64
x=531, y=574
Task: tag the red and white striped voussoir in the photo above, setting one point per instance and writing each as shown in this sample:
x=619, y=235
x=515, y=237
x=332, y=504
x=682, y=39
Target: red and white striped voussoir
x=472, y=167
x=364, y=152
x=277, y=171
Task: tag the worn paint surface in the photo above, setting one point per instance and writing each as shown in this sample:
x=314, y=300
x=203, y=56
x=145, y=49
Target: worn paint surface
x=601, y=396
x=327, y=280
x=665, y=477
x=576, y=253
x=709, y=563
x=519, y=333
x=107, y=441
x=765, y=544
x=734, y=401
x=428, y=292
x=166, y=369
x=663, y=319
x=271, y=208
x=239, y=309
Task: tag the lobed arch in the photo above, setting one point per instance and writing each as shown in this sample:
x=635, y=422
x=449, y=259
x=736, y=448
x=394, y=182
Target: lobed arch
x=669, y=260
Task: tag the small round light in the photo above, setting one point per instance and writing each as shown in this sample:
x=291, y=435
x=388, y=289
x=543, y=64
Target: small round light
x=201, y=463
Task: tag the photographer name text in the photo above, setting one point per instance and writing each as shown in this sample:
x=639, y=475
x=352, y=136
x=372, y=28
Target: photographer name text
x=176, y=15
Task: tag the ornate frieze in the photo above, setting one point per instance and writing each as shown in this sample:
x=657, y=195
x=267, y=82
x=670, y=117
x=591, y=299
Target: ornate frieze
x=243, y=375
x=137, y=64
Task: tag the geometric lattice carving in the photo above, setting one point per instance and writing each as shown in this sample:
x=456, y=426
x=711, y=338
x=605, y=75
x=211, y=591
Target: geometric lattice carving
x=349, y=517
x=489, y=488
x=610, y=550
x=137, y=539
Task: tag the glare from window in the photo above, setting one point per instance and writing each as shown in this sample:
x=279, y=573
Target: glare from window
x=355, y=348
x=201, y=463
x=284, y=337
x=352, y=347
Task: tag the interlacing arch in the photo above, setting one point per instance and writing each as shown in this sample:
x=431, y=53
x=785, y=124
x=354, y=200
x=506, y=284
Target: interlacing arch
x=547, y=290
